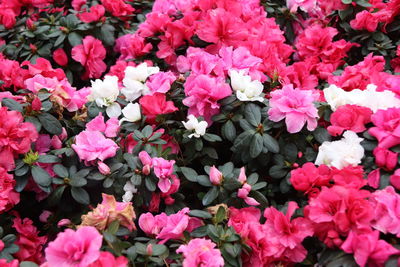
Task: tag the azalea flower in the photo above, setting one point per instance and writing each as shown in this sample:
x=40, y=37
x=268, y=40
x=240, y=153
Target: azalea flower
x=199, y=127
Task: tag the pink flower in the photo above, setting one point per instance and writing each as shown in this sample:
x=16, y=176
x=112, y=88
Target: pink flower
x=157, y=104
x=106, y=259
x=16, y=137
x=201, y=252
x=285, y=234
x=161, y=82
x=385, y=158
x=395, y=179
x=60, y=57
x=374, y=178
x=152, y=225
x=305, y=5
x=74, y=248
x=131, y=46
x=92, y=145
x=337, y=210
x=43, y=67
x=202, y=95
x=163, y=169
x=110, y=128
x=29, y=242
x=365, y=21
x=245, y=190
x=175, y=225
x=90, y=54
x=349, y=117
x=77, y=4
x=5, y=263
x=215, y=176
x=8, y=196
x=386, y=207
x=387, y=129
x=118, y=8
x=96, y=13
x=368, y=248
x=146, y=161
x=349, y=176
x=295, y=106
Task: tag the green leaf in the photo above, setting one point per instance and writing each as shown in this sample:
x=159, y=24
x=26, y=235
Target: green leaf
x=60, y=170
x=204, y=180
x=48, y=159
x=12, y=104
x=28, y=264
x=35, y=122
x=200, y=214
x=221, y=215
x=78, y=182
x=346, y=2
x=80, y=195
x=159, y=250
x=252, y=114
x=199, y=231
x=107, y=34
x=256, y=145
x=113, y=227
x=270, y=143
x=212, y=137
x=50, y=123
x=150, y=185
x=243, y=139
x=55, y=197
x=40, y=176
x=211, y=195
x=74, y=39
x=190, y=174
x=277, y=171
x=147, y=131
x=322, y=135
x=229, y=131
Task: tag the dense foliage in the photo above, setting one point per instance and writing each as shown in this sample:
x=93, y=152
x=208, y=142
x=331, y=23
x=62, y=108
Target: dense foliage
x=199, y=133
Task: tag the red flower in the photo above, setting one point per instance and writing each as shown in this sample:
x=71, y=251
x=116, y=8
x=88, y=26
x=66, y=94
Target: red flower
x=29, y=242
x=118, y=8
x=90, y=54
x=96, y=13
x=349, y=117
x=8, y=197
x=60, y=57
x=153, y=105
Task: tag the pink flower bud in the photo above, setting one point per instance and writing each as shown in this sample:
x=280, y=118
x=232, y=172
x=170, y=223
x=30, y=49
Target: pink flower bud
x=1, y=245
x=45, y=216
x=56, y=142
x=149, y=249
x=103, y=168
x=60, y=57
x=215, y=176
x=63, y=222
x=63, y=134
x=146, y=169
x=36, y=104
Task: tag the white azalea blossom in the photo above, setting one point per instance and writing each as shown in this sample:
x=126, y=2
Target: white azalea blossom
x=246, y=89
x=129, y=189
x=113, y=110
x=369, y=98
x=104, y=92
x=193, y=124
x=131, y=113
x=134, y=81
x=341, y=153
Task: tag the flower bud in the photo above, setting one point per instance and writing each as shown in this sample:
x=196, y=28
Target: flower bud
x=215, y=176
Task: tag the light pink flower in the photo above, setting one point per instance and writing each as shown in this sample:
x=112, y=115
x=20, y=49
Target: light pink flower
x=163, y=169
x=74, y=248
x=387, y=129
x=110, y=128
x=305, y=5
x=92, y=145
x=201, y=252
x=152, y=225
x=295, y=106
x=202, y=95
x=245, y=190
x=386, y=211
x=175, y=225
x=161, y=82
x=368, y=248
x=146, y=161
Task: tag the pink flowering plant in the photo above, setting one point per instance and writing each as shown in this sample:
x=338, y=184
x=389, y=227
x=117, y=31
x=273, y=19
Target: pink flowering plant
x=199, y=133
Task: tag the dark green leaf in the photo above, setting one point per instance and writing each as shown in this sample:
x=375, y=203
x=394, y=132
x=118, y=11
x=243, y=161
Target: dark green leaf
x=150, y=185
x=12, y=104
x=80, y=195
x=277, y=171
x=74, y=39
x=200, y=214
x=321, y=135
x=50, y=123
x=229, y=131
x=48, y=159
x=190, y=174
x=210, y=196
x=252, y=113
x=40, y=176
x=60, y=170
x=270, y=143
x=256, y=145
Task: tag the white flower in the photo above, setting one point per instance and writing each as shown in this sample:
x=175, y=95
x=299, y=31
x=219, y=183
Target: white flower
x=131, y=113
x=113, y=110
x=246, y=89
x=369, y=98
x=104, y=92
x=140, y=72
x=341, y=153
x=129, y=189
x=193, y=124
x=134, y=81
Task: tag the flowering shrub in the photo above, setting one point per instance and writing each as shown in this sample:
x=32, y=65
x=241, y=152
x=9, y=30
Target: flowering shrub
x=199, y=133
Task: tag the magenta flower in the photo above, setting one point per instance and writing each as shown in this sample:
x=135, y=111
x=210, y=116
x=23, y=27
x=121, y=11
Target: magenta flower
x=74, y=248
x=201, y=252
x=295, y=106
